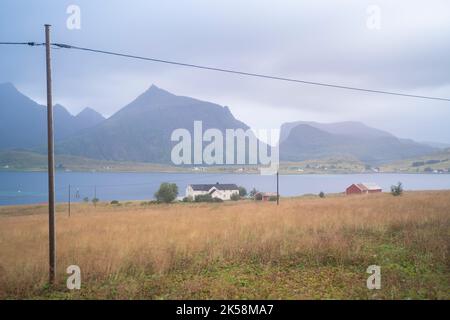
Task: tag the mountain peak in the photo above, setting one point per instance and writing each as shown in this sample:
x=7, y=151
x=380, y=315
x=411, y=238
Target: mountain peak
x=89, y=117
x=8, y=86
x=58, y=106
x=155, y=90
x=153, y=96
x=88, y=111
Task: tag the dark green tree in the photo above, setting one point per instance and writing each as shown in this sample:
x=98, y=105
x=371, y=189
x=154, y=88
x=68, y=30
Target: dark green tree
x=167, y=192
x=397, y=190
x=235, y=197
x=203, y=198
x=242, y=191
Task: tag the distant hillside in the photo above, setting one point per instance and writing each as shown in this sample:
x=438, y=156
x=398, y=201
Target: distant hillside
x=23, y=122
x=141, y=130
x=306, y=140
x=11, y=160
x=340, y=128
x=435, y=162
x=439, y=145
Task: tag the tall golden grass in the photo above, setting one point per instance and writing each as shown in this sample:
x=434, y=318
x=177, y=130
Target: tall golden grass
x=134, y=240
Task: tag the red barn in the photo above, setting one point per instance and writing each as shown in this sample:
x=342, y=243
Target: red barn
x=265, y=196
x=363, y=188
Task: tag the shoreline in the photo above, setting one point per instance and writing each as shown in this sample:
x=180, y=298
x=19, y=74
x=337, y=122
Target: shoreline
x=145, y=202
x=181, y=171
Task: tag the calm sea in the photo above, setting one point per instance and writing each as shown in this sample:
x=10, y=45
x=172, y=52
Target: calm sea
x=31, y=187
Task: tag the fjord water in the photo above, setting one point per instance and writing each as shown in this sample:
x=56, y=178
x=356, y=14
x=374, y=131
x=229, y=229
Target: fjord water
x=31, y=187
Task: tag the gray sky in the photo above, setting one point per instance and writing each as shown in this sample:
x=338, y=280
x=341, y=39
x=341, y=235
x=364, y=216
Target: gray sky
x=323, y=41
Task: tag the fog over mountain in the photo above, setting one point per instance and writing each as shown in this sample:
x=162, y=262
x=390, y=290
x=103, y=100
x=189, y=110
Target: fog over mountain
x=141, y=131
x=23, y=122
x=309, y=140
x=343, y=128
x=320, y=41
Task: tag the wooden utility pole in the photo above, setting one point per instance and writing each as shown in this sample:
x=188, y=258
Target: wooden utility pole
x=69, y=200
x=51, y=163
x=278, y=190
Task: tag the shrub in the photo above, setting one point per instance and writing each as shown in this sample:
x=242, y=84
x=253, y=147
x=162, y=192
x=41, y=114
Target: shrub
x=86, y=199
x=397, y=190
x=187, y=199
x=207, y=198
x=258, y=196
x=167, y=192
x=235, y=197
x=273, y=198
x=147, y=203
x=115, y=202
x=418, y=163
x=95, y=200
x=321, y=194
x=203, y=198
x=242, y=191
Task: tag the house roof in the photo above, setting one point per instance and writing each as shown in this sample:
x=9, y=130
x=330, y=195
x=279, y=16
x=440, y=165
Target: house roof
x=367, y=186
x=371, y=186
x=218, y=186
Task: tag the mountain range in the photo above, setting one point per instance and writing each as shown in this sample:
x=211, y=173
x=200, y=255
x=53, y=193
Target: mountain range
x=310, y=140
x=141, y=131
x=23, y=121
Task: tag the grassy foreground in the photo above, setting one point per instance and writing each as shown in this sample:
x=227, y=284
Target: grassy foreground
x=306, y=248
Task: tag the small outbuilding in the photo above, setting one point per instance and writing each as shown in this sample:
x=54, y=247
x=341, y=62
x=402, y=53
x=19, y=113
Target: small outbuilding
x=363, y=188
x=265, y=196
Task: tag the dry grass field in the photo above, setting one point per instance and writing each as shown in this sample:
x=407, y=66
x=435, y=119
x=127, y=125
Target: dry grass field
x=306, y=248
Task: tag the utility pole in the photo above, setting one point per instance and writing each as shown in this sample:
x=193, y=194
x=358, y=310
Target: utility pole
x=51, y=163
x=95, y=196
x=278, y=189
x=69, y=200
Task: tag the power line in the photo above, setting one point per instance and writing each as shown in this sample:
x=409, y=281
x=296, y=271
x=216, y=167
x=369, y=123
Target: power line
x=258, y=75
x=23, y=43
x=243, y=73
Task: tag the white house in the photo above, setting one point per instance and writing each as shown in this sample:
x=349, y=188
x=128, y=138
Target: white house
x=221, y=191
